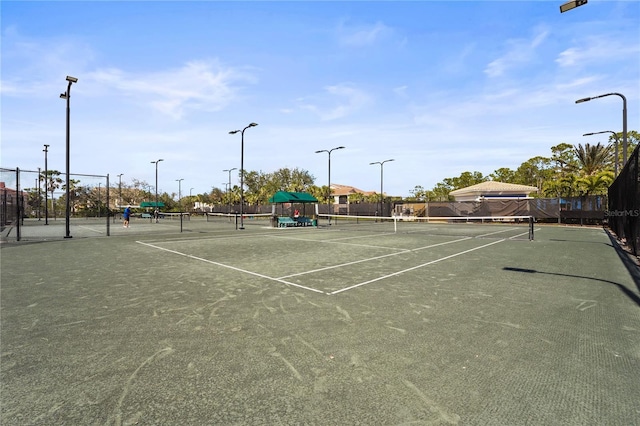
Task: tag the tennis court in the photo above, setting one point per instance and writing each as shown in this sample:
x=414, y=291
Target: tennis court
x=352, y=323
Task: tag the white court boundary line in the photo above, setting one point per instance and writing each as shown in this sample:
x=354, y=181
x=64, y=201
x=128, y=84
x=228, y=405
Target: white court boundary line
x=374, y=258
x=424, y=264
x=90, y=229
x=414, y=267
x=282, y=281
x=231, y=267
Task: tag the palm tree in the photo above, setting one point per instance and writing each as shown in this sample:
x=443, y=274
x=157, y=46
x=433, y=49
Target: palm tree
x=593, y=159
x=596, y=184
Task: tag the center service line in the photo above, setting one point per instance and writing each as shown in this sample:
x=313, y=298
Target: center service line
x=404, y=251
x=231, y=267
x=415, y=267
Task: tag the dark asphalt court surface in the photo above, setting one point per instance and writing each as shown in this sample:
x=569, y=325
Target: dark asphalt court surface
x=319, y=327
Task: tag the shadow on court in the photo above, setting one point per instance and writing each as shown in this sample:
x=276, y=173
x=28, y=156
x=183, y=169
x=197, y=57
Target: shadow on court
x=622, y=288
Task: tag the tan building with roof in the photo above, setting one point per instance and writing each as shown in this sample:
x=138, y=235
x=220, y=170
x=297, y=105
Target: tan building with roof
x=341, y=193
x=493, y=190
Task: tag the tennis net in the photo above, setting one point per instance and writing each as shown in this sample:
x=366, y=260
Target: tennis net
x=261, y=219
x=514, y=227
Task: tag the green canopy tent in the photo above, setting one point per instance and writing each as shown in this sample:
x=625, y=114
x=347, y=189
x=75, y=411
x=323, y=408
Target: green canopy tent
x=151, y=204
x=292, y=197
x=283, y=197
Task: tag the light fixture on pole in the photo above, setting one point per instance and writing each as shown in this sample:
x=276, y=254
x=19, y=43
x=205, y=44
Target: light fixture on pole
x=615, y=137
x=156, y=163
x=228, y=189
x=67, y=95
x=381, y=180
x=571, y=5
x=624, y=120
x=179, y=192
x=242, y=170
x=328, y=151
x=46, y=185
x=120, y=189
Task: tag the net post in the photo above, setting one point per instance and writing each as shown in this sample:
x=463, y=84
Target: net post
x=531, y=228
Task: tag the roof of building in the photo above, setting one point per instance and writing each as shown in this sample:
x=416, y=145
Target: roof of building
x=494, y=188
x=337, y=189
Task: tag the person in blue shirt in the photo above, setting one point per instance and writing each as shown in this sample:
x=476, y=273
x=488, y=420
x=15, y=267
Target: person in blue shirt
x=126, y=215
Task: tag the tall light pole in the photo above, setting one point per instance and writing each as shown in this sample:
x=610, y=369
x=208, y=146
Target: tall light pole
x=67, y=95
x=328, y=151
x=624, y=120
x=381, y=180
x=46, y=186
x=156, y=163
x=228, y=189
x=179, y=192
x=615, y=137
x=120, y=189
x=242, y=170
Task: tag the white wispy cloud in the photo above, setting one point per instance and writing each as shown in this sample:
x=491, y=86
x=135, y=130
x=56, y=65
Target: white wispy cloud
x=197, y=85
x=518, y=52
x=596, y=49
x=338, y=101
x=361, y=35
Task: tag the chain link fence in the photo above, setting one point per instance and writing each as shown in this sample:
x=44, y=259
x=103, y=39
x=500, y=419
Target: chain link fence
x=33, y=204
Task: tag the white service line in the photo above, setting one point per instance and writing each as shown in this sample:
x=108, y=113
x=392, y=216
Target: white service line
x=497, y=232
x=339, y=242
x=373, y=258
x=90, y=229
x=415, y=267
x=231, y=267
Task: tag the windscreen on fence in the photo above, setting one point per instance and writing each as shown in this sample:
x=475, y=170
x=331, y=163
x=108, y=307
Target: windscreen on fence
x=624, y=203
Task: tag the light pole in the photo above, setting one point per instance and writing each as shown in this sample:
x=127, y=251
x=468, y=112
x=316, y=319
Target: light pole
x=615, y=137
x=242, y=170
x=67, y=95
x=381, y=180
x=179, y=192
x=328, y=151
x=624, y=120
x=120, y=189
x=46, y=185
x=228, y=189
x=156, y=163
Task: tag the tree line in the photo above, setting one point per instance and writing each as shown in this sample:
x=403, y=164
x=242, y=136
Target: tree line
x=570, y=170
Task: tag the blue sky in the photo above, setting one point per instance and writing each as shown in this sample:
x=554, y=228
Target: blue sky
x=441, y=87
